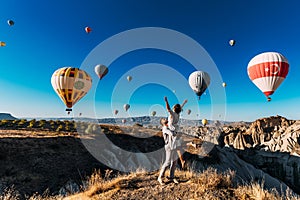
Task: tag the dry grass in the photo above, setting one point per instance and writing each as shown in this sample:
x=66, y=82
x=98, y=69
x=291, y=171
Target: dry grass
x=208, y=184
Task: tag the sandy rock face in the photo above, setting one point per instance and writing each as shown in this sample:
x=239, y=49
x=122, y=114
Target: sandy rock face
x=272, y=134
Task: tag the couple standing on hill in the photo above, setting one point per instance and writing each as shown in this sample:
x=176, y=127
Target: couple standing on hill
x=172, y=146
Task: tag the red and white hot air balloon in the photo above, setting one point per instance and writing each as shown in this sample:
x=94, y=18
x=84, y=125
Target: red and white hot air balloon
x=87, y=29
x=267, y=71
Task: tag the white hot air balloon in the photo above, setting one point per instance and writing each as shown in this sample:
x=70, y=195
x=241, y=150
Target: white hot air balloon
x=199, y=81
x=116, y=112
x=124, y=121
x=224, y=84
x=129, y=78
x=101, y=70
x=126, y=107
x=231, y=42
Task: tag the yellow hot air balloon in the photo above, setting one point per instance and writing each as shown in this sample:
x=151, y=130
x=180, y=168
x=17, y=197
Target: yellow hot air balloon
x=204, y=122
x=71, y=84
x=2, y=44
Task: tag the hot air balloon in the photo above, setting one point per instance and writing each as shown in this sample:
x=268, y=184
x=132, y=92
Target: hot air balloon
x=199, y=81
x=231, y=42
x=123, y=121
x=71, y=84
x=116, y=112
x=188, y=111
x=10, y=22
x=2, y=44
x=204, y=122
x=126, y=107
x=224, y=84
x=129, y=78
x=267, y=71
x=88, y=29
x=80, y=114
x=153, y=113
x=101, y=70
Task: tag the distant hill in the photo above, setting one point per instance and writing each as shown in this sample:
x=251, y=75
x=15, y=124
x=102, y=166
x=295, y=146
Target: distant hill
x=144, y=120
x=7, y=116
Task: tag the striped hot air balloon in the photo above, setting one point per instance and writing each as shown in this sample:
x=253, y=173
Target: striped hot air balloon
x=267, y=71
x=71, y=84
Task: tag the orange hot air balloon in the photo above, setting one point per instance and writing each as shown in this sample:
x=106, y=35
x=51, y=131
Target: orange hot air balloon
x=88, y=29
x=267, y=71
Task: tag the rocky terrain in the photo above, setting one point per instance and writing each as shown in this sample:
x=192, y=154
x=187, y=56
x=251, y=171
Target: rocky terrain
x=40, y=155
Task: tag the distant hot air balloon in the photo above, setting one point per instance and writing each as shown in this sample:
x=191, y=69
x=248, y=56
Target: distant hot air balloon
x=129, y=78
x=199, y=81
x=101, y=70
x=2, y=44
x=80, y=114
x=231, y=42
x=10, y=22
x=153, y=113
x=123, y=121
x=88, y=29
x=116, y=112
x=71, y=84
x=126, y=107
x=224, y=84
x=204, y=122
x=267, y=71
x=188, y=111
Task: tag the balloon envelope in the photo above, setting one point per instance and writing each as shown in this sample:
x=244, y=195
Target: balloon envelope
x=101, y=70
x=2, y=44
x=116, y=112
x=204, y=122
x=267, y=71
x=188, y=111
x=126, y=107
x=231, y=42
x=88, y=29
x=71, y=84
x=199, y=81
x=129, y=78
x=224, y=84
x=124, y=121
x=10, y=22
x=153, y=113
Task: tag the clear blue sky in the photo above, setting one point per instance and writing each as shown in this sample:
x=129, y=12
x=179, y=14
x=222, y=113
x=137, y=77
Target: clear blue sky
x=48, y=35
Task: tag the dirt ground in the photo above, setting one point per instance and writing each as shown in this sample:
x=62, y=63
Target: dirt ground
x=36, y=161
